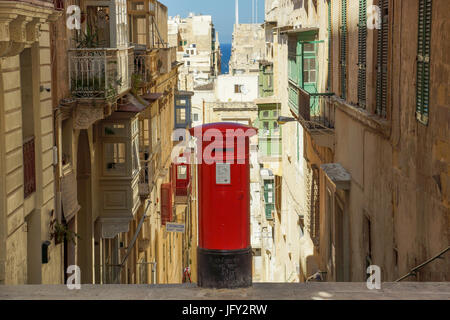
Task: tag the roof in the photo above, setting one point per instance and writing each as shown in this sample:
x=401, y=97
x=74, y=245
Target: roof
x=205, y=87
x=184, y=93
x=131, y=104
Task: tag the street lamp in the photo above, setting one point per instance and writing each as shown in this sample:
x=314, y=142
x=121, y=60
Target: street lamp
x=282, y=120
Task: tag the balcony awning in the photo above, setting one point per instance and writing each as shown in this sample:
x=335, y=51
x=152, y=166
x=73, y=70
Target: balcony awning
x=337, y=174
x=132, y=104
x=152, y=97
x=69, y=199
x=300, y=30
x=184, y=93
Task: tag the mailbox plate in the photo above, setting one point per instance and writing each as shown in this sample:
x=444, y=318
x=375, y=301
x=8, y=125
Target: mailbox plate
x=223, y=175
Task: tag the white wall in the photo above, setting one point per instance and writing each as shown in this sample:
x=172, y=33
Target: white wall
x=197, y=105
x=225, y=88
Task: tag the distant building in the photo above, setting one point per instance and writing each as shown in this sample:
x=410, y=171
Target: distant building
x=198, y=49
x=248, y=48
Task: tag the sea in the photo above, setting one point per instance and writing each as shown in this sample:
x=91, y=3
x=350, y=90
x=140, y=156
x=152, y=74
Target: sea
x=225, y=48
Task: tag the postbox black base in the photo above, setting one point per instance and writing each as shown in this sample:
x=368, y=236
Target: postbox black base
x=224, y=268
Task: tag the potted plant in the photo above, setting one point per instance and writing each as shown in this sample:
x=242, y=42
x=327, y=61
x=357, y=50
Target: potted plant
x=60, y=231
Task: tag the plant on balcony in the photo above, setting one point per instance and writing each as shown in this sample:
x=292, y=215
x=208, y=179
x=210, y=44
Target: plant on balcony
x=136, y=82
x=60, y=231
x=88, y=39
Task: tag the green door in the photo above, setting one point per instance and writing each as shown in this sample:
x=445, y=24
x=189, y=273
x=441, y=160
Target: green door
x=309, y=73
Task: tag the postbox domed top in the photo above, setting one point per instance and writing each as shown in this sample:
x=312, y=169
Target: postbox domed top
x=223, y=127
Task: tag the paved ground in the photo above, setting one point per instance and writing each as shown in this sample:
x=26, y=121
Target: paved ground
x=259, y=291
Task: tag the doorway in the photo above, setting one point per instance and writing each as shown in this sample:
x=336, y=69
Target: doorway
x=84, y=225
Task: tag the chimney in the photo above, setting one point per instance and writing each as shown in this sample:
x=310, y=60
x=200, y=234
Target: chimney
x=237, y=11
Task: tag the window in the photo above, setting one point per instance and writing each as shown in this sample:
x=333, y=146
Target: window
x=301, y=224
x=266, y=114
x=135, y=155
x=144, y=133
x=309, y=70
x=237, y=88
x=276, y=127
x=362, y=49
x=182, y=172
x=115, y=158
x=382, y=61
x=275, y=113
x=315, y=206
x=181, y=102
x=266, y=126
x=367, y=241
x=114, y=130
x=181, y=115
x=188, y=63
x=67, y=129
x=423, y=61
x=343, y=51
x=330, y=53
x=195, y=116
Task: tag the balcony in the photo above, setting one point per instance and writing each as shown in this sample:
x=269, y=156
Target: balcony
x=103, y=73
x=167, y=58
x=315, y=112
x=144, y=179
x=145, y=65
x=29, y=167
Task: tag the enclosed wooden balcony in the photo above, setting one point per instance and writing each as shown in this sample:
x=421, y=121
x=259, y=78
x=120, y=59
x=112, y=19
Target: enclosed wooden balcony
x=100, y=73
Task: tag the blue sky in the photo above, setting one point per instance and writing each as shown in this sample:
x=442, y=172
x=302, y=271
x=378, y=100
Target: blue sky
x=222, y=12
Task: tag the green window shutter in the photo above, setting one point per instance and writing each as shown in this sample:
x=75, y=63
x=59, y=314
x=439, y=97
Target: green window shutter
x=343, y=51
x=269, y=198
x=423, y=61
x=330, y=57
x=362, y=50
x=382, y=60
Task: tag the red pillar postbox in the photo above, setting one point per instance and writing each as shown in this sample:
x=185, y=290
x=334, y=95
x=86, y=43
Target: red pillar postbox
x=224, y=252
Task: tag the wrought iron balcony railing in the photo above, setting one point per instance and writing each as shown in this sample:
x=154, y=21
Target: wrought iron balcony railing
x=100, y=73
x=145, y=65
x=29, y=167
x=313, y=109
x=145, y=178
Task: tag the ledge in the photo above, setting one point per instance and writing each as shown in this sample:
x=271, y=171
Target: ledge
x=20, y=24
x=259, y=291
x=372, y=121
